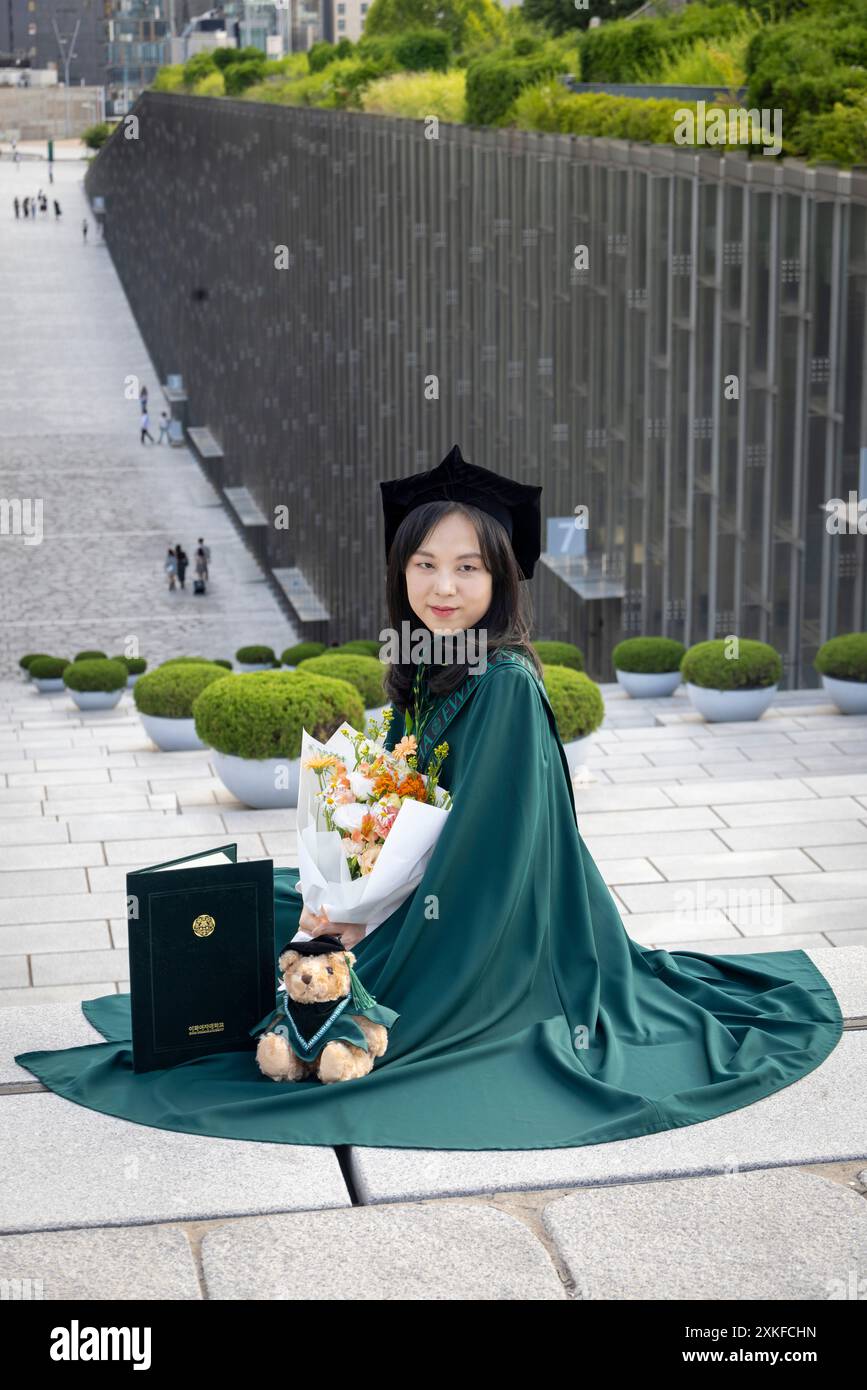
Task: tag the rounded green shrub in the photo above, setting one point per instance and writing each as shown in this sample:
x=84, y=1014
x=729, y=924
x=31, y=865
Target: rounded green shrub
x=252, y=655
x=648, y=655
x=222, y=661
x=95, y=674
x=844, y=658
x=91, y=656
x=170, y=690
x=175, y=660
x=494, y=82
x=48, y=668
x=576, y=701
x=363, y=672
x=135, y=665
x=560, y=654
x=360, y=646
x=755, y=666
x=262, y=715
x=300, y=652
x=31, y=656
x=422, y=50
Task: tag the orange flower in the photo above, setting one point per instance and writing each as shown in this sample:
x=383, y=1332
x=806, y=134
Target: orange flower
x=413, y=786
x=386, y=781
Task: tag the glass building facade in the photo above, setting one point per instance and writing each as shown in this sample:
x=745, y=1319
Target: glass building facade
x=672, y=342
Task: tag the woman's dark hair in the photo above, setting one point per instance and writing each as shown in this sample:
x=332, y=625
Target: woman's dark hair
x=506, y=623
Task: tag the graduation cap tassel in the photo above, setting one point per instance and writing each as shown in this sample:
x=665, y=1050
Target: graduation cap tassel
x=360, y=997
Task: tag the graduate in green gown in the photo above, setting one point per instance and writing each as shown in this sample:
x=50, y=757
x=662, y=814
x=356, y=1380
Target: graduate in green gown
x=528, y=1017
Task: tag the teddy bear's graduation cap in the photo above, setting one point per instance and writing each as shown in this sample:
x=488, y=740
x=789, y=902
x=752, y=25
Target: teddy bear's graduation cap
x=514, y=505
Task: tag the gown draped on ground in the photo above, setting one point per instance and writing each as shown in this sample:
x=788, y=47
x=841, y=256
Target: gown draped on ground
x=529, y=1018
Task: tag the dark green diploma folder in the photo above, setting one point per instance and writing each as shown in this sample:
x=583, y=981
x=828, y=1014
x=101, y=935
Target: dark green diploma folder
x=201, y=955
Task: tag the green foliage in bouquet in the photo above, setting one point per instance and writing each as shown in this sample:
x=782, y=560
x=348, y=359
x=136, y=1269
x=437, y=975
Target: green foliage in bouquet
x=169, y=691
x=844, y=658
x=253, y=655
x=576, y=701
x=96, y=674
x=707, y=664
x=263, y=715
x=648, y=655
x=364, y=672
x=48, y=668
x=135, y=665
x=292, y=656
x=560, y=654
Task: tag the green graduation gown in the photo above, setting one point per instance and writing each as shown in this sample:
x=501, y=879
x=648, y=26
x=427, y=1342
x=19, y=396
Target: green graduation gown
x=528, y=1017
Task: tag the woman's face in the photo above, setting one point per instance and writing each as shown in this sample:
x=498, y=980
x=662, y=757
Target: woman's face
x=448, y=572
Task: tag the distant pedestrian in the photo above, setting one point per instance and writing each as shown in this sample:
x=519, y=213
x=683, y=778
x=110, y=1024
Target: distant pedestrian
x=51, y=173
x=43, y=201
x=145, y=427
x=143, y=397
x=26, y=207
x=183, y=560
x=171, y=568
x=201, y=568
x=206, y=555
x=84, y=230
x=164, y=427
x=56, y=208
x=17, y=207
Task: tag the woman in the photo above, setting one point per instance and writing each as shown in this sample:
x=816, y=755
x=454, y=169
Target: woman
x=528, y=1018
x=183, y=562
x=171, y=568
x=200, y=566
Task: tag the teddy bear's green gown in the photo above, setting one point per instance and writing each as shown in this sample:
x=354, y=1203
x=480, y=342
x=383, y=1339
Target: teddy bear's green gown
x=529, y=1018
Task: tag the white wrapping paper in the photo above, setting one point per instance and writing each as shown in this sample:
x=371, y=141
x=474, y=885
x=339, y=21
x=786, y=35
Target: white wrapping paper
x=324, y=878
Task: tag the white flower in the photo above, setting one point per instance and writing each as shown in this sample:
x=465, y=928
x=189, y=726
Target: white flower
x=350, y=815
x=360, y=785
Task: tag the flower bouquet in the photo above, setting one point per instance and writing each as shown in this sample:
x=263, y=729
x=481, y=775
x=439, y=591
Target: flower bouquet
x=368, y=822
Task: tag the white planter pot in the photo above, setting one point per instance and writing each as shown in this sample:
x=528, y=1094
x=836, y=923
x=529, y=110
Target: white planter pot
x=96, y=699
x=375, y=712
x=171, y=735
x=131, y=680
x=48, y=683
x=724, y=706
x=289, y=668
x=850, y=697
x=259, y=666
x=576, y=752
x=642, y=685
x=262, y=783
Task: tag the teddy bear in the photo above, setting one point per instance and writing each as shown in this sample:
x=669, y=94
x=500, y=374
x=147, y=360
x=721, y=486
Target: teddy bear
x=325, y=1026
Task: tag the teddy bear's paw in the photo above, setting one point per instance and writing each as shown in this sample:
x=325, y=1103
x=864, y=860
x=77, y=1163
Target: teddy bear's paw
x=376, y=1035
x=277, y=1060
x=341, y=1061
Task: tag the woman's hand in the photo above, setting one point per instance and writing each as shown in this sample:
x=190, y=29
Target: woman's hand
x=318, y=924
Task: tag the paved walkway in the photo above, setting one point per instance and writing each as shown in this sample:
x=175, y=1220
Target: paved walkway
x=69, y=437
x=727, y=838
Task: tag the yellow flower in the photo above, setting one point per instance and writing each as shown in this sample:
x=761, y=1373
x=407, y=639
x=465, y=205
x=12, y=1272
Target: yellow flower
x=321, y=761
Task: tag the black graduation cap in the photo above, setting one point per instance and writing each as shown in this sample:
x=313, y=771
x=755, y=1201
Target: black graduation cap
x=316, y=946
x=514, y=505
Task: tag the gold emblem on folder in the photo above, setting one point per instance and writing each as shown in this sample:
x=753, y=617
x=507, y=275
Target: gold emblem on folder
x=204, y=925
